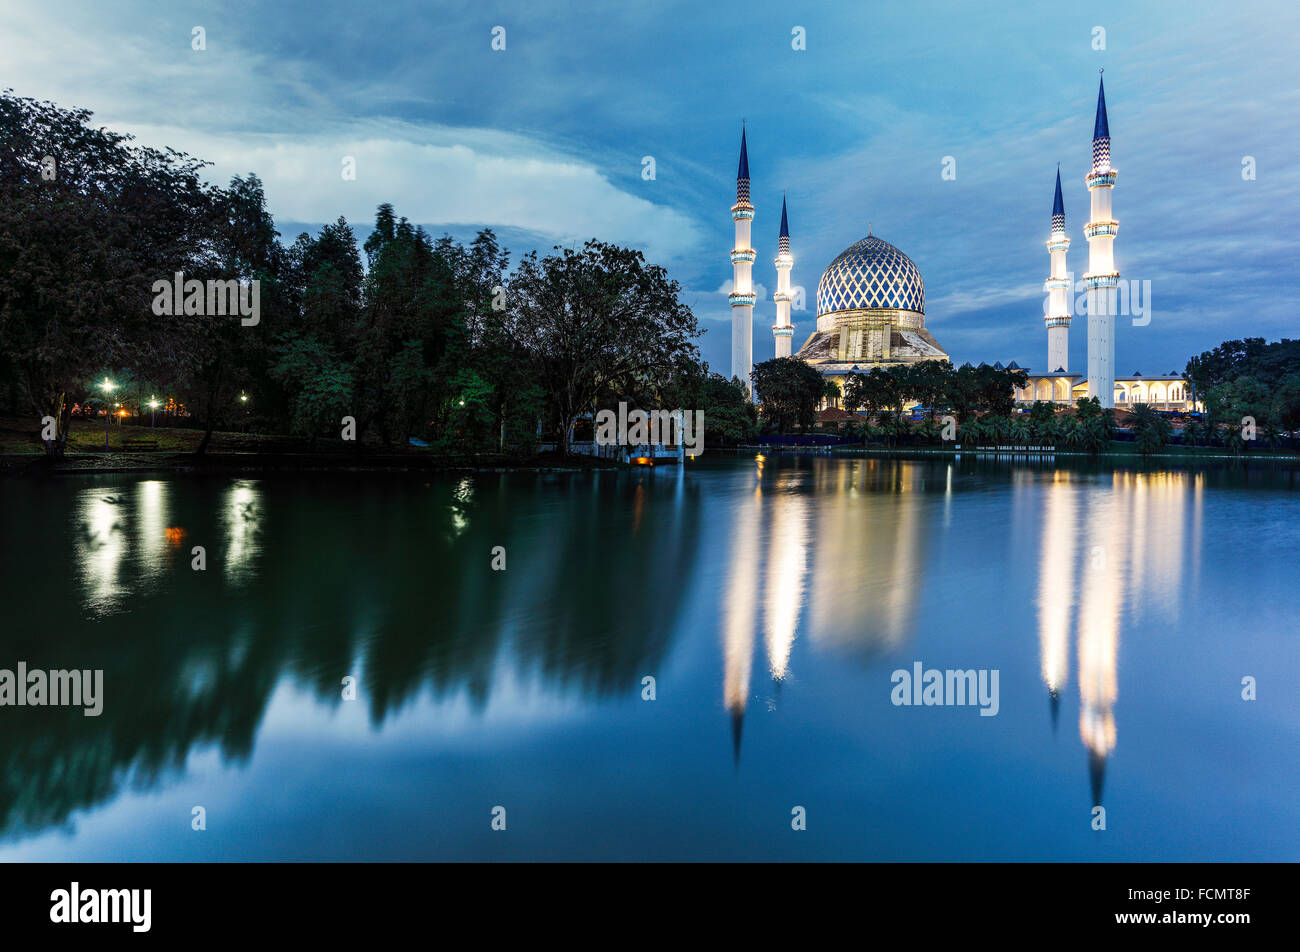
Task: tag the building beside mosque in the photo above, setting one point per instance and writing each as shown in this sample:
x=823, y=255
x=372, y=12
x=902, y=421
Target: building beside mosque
x=871, y=302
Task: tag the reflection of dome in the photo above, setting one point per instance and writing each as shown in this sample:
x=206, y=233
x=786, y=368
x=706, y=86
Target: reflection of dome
x=871, y=274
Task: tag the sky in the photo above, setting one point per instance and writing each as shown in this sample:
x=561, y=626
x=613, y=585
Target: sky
x=547, y=141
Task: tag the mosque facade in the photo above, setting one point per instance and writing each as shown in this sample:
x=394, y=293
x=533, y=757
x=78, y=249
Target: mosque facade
x=871, y=302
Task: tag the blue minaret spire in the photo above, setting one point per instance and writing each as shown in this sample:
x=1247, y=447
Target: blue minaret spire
x=1102, y=277
x=1058, y=206
x=742, y=173
x=783, y=329
x=1101, y=133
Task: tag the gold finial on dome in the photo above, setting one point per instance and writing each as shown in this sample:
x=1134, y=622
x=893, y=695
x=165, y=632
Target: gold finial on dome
x=868, y=229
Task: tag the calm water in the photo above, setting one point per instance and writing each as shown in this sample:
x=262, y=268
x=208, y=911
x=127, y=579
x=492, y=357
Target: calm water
x=770, y=601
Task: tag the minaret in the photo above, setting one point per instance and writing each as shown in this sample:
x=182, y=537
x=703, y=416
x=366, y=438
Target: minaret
x=1102, y=279
x=1058, y=289
x=783, y=330
x=742, y=286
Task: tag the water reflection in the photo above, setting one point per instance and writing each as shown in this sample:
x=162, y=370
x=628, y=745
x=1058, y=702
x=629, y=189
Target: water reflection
x=739, y=617
x=153, y=546
x=610, y=577
x=787, y=566
x=1132, y=553
x=101, y=547
x=243, y=522
x=873, y=518
x=1057, y=553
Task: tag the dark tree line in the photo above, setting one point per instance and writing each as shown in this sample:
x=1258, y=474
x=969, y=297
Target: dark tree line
x=1244, y=380
x=423, y=337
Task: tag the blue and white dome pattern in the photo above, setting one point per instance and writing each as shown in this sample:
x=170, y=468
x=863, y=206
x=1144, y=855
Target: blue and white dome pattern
x=871, y=274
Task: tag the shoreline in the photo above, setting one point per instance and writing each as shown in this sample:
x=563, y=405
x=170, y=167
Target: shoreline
x=37, y=465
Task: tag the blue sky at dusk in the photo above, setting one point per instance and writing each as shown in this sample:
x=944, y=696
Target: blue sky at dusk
x=545, y=141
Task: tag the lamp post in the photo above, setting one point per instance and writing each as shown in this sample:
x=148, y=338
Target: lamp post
x=107, y=387
x=243, y=398
x=153, y=413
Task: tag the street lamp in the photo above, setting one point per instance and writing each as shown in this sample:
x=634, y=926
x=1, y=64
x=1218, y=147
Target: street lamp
x=107, y=387
x=153, y=412
x=243, y=398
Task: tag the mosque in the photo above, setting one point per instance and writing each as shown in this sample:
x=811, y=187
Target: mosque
x=871, y=302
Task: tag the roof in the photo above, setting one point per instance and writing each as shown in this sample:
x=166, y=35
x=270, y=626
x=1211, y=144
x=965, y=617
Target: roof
x=1101, y=128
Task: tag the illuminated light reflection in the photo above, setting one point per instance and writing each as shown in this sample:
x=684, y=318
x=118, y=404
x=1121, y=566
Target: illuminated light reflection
x=1056, y=585
x=787, y=565
x=740, y=614
x=153, y=540
x=243, y=520
x=101, y=547
x=463, y=496
x=1101, y=603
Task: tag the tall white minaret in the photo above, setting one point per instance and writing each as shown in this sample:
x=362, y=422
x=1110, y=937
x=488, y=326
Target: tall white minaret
x=783, y=330
x=1058, y=290
x=742, y=285
x=1102, y=279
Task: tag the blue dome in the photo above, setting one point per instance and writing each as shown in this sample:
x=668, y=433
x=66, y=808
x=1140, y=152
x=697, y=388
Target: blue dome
x=871, y=274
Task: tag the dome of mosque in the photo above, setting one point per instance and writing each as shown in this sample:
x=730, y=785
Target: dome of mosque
x=871, y=273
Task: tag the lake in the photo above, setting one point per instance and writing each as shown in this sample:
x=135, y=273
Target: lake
x=1116, y=611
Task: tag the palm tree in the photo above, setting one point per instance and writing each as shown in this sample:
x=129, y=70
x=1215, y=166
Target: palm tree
x=1150, y=430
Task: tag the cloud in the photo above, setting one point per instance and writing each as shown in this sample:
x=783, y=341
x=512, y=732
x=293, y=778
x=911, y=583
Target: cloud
x=217, y=105
x=439, y=176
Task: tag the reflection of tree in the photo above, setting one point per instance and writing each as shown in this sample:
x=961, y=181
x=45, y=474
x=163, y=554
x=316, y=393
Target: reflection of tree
x=332, y=578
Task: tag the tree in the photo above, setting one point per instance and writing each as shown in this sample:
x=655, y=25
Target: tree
x=596, y=319
x=1151, y=431
x=996, y=388
x=1094, y=425
x=223, y=357
x=730, y=417
x=961, y=392
x=80, y=248
x=1042, y=420
x=790, y=390
x=927, y=383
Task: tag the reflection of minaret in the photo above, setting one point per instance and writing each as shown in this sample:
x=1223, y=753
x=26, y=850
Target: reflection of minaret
x=741, y=612
x=787, y=558
x=1100, y=606
x=1056, y=588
